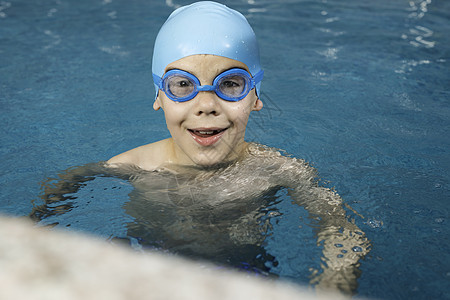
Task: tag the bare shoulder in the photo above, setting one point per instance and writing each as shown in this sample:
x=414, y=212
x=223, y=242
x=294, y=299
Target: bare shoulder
x=285, y=169
x=147, y=157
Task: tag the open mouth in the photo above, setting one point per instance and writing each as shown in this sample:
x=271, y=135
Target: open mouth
x=207, y=136
x=206, y=133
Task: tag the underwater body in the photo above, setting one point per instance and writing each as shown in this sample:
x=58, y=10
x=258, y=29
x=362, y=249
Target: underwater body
x=221, y=214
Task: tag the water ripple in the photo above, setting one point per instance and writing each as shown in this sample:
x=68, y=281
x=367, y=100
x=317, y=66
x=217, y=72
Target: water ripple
x=3, y=6
x=418, y=10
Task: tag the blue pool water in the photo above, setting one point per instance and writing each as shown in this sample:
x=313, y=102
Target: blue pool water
x=360, y=89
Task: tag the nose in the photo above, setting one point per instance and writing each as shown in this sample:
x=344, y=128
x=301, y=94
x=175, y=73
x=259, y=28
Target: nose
x=207, y=103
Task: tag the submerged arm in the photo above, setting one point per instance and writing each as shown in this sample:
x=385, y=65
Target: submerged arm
x=57, y=192
x=344, y=244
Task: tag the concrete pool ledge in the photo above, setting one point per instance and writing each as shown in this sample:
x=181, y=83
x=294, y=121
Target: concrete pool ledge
x=41, y=264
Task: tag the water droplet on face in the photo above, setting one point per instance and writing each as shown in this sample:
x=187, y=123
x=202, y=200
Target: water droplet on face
x=357, y=249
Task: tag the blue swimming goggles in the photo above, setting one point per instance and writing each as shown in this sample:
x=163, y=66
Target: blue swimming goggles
x=231, y=85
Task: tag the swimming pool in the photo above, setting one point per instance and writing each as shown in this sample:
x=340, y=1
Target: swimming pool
x=360, y=89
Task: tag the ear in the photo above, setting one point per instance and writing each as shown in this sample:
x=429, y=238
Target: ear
x=157, y=104
x=258, y=105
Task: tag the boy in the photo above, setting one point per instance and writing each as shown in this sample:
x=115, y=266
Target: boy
x=207, y=77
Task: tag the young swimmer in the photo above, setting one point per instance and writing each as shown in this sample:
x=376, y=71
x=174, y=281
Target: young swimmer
x=207, y=76
x=205, y=192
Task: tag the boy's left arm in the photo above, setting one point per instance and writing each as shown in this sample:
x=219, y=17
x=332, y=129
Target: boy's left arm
x=343, y=242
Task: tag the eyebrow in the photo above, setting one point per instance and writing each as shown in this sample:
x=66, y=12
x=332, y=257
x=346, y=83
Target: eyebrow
x=173, y=68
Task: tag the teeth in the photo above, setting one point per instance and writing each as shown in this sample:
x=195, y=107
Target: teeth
x=207, y=132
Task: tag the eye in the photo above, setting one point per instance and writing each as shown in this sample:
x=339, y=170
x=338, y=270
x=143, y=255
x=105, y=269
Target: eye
x=179, y=82
x=233, y=85
x=233, y=82
x=179, y=86
x=230, y=84
x=183, y=83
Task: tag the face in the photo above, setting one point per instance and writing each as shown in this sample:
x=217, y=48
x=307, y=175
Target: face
x=207, y=130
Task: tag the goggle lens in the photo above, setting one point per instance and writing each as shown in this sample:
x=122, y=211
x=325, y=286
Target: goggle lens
x=234, y=86
x=178, y=86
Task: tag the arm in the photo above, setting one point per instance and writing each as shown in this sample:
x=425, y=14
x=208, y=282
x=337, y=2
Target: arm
x=344, y=244
x=58, y=191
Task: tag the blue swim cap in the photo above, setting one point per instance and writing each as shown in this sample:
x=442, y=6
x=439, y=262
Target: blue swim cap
x=206, y=28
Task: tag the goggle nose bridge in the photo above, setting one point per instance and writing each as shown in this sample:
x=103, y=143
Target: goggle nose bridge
x=205, y=88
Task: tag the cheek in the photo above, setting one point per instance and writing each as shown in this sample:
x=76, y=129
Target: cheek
x=171, y=117
x=241, y=112
x=239, y=116
x=174, y=113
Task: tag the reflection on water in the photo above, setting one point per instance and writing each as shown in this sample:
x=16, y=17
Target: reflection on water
x=418, y=9
x=223, y=215
x=3, y=7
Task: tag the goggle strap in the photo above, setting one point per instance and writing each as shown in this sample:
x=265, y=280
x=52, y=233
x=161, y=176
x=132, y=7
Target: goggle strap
x=258, y=77
x=157, y=80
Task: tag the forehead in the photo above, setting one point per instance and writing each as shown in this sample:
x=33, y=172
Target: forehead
x=205, y=64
